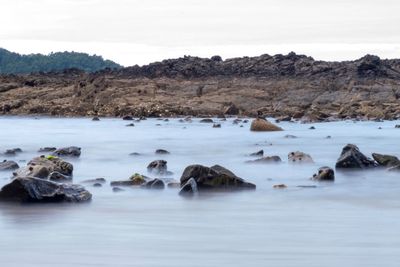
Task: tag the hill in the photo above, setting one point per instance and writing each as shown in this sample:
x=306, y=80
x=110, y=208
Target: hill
x=14, y=63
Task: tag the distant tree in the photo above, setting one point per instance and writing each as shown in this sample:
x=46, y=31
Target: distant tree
x=20, y=64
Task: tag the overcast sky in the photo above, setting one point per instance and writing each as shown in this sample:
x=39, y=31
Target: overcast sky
x=142, y=31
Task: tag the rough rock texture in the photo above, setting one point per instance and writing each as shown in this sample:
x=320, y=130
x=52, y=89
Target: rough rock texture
x=42, y=167
x=386, y=160
x=189, y=188
x=324, y=174
x=8, y=165
x=299, y=157
x=261, y=125
x=30, y=189
x=282, y=85
x=71, y=151
x=157, y=166
x=352, y=158
x=216, y=177
x=268, y=159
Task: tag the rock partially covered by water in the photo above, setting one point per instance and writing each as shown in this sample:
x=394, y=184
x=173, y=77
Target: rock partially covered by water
x=71, y=151
x=162, y=152
x=324, y=174
x=214, y=178
x=386, y=160
x=12, y=151
x=258, y=153
x=42, y=166
x=268, y=159
x=299, y=157
x=157, y=166
x=134, y=180
x=189, y=188
x=262, y=125
x=47, y=149
x=352, y=158
x=31, y=189
x=154, y=184
x=8, y=165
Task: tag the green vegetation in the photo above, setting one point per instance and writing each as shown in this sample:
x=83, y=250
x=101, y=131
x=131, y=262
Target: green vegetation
x=14, y=63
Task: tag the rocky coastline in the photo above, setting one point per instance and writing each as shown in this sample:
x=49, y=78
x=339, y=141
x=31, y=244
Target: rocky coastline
x=282, y=86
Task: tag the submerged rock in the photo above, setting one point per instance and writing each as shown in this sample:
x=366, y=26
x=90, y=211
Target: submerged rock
x=352, y=158
x=8, y=165
x=154, y=184
x=59, y=177
x=157, y=166
x=12, y=152
x=268, y=159
x=262, y=125
x=386, y=160
x=71, y=151
x=324, y=174
x=162, y=152
x=216, y=125
x=279, y=186
x=258, y=153
x=189, y=188
x=42, y=166
x=134, y=180
x=31, y=189
x=214, y=178
x=47, y=149
x=299, y=157
x=116, y=189
x=96, y=119
x=206, y=121
x=93, y=181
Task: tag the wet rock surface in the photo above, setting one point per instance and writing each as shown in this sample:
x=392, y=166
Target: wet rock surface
x=299, y=157
x=31, y=189
x=352, y=158
x=324, y=174
x=71, y=151
x=8, y=165
x=262, y=125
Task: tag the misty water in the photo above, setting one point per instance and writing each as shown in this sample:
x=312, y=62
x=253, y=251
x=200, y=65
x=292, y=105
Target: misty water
x=354, y=221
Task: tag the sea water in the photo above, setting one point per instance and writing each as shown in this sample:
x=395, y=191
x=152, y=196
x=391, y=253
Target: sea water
x=354, y=221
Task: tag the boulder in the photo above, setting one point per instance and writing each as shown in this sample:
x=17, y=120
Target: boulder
x=324, y=174
x=134, y=180
x=258, y=153
x=127, y=118
x=12, y=152
x=268, y=159
x=189, y=188
x=47, y=149
x=206, y=121
x=59, y=177
x=352, y=158
x=157, y=166
x=42, y=166
x=95, y=119
x=71, y=151
x=299, y=157
x=154, y=184
x=216, y=125
x=93, y=181
x=162, y=152
x=8, y=165
x=386, y=160
x=31, y=189
x=279, y=186
x=231, y=110
x=262, y=125
x=214, y=178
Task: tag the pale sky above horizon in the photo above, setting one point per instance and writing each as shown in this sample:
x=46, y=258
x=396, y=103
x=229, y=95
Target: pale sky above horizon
x=143, y=31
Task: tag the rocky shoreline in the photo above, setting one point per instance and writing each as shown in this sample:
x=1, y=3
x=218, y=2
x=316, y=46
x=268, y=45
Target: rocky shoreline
x=282, y=86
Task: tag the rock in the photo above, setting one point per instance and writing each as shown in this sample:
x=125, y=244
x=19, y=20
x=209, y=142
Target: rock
x=47, y=149
x=189, y=188
x=154, y=184
x=236, y=121
x=397, y=126
x=71, y=151
x=97, y=185
x=258, y=153
x=162, y=152
x=261, y=125
x=130, y=125
x=289, y=136
x=206, y=121
x=117, y=189
x=232, y=110
x=138, y=179
x=123, y=183
x=328, y=137
x=279, y=186
x=299, y=157
x=174, y=185
x=352, y=158
x=31, y=189
x=42, y=166
x=96, y=180
x=283, y=118
x=386, y=160
x=95, y=119
x=127, y=118
x=324, y=174
x=12, y=152
x=307, y=186
x=157, y=166
x=312, y=128
x=59, y=177
x=134, y=154
x=215, y=178
x=216, y=125
x=8, y=165
x=269, y=159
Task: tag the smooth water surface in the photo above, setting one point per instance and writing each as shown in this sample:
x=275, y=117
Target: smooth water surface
x=354, y=221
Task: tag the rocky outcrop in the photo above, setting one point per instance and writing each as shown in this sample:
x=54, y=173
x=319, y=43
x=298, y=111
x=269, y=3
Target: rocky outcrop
x=386, y=160
x=31, y=189
x=299, y=157
x=214, y=178
x=324, y=174
x=262, y=125
x=71, y=151
x=8, y=165
x=352, y=158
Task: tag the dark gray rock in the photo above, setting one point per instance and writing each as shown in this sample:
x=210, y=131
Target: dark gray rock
x=157, y=166
x=96, y=180
x=162, y=152
x=268, y=159
x=59, y=177
x=154, y=184
x=259, y=153
x=12, y=152
x=31, y=189
x=8, y=165
x=206, y=121
x=352, y=158
x=386, y=160
x=71, y=151
x=324, y=174
x=214, y=178
x=189, y=188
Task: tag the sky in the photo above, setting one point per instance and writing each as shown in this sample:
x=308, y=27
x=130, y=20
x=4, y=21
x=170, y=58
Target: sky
x=143, y=31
